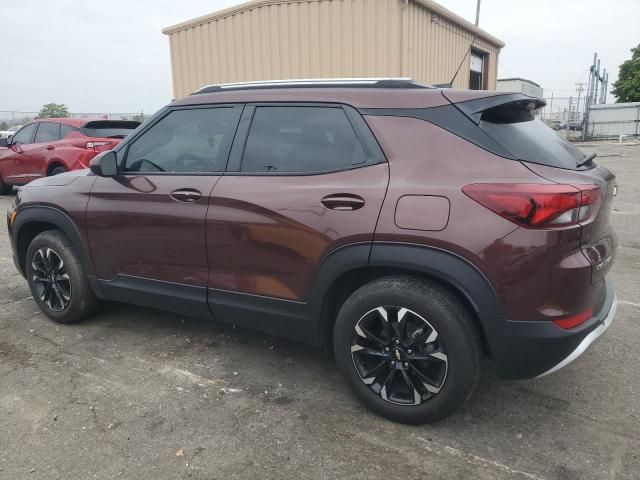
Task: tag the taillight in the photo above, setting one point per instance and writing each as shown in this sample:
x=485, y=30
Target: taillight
x=534, y=205
x=574, y=320
x=91, y=145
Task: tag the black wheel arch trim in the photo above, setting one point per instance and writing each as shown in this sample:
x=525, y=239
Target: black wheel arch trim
x=450, y=268
x=59, y=219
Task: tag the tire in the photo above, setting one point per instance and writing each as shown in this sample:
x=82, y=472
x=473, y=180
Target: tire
x=74, y=299
x=443, y=371
x=5, y=189
x=57, y=171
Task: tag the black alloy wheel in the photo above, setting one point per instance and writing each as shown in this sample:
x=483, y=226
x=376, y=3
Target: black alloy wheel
x=399, y=355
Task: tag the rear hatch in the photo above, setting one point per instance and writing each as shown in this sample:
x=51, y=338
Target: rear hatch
x=512, y=122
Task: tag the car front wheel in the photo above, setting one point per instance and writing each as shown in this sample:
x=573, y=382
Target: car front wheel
x=408, y=349
x=57, y=279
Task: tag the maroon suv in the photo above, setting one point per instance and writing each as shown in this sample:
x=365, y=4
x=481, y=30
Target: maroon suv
x=412, y=229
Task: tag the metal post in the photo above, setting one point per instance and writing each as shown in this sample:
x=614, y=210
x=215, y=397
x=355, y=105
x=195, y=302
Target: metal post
x=569, y=116
x=580, y=90
x=597, y=80
x=478, y=13
x=589, y=99
x=601, y=98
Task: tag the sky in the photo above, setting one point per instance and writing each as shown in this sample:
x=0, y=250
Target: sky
x=110, y=56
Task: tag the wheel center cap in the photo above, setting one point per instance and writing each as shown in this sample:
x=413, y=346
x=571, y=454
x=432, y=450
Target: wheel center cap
x=398, y=354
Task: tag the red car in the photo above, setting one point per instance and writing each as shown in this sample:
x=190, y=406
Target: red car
x=50, y=146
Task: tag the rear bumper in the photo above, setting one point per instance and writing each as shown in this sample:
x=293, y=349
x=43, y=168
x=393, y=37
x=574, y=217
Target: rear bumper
x=534, y=349
x=586, y=341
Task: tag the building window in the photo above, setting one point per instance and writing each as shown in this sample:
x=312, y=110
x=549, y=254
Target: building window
x=477, y=71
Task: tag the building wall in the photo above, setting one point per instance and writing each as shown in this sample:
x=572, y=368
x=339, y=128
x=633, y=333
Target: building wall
x=520, y=85
x=437, y=47
x=614, y=119
x=269, y=39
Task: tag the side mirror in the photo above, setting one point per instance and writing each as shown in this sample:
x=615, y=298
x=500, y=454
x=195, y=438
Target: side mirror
x=105, y=164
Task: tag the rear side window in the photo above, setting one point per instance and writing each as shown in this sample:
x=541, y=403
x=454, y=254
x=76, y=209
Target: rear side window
x=301, y=140
x=527, y=138
x=48, y=132
x=66, y=130
x=186, y=141
x=110, y=128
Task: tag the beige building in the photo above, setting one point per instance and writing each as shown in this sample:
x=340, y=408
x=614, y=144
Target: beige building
x=287, y=39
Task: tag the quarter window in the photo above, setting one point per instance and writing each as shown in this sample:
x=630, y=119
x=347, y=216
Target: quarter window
x=185, y=141
x=48, y=132
x=66, y=130
x=25, y=135
x=301, y=139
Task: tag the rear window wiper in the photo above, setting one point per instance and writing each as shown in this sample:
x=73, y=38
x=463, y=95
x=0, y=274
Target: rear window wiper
x=586, y=159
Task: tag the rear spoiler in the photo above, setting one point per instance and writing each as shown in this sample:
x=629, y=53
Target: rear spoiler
x=517, y=101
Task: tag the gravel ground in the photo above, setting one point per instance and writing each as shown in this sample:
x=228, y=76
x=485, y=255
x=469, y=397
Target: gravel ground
x=136, y=393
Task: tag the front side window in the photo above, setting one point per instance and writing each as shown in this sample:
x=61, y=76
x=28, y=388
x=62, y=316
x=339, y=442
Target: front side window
x=25, y=135
x=48, y=132
x=301, y=140
x=185, y=141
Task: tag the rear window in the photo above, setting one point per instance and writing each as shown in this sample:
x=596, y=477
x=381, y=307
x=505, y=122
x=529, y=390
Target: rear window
x=110, y=128
x=301, y=140
x=527, y=138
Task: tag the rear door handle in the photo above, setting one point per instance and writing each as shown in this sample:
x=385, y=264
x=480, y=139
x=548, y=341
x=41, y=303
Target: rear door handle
x=343, y=201
x=186, y=195
x=51, y=147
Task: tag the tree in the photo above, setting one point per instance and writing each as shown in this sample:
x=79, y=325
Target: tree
x=4, y=126
x=53, y=110
x=627, y=87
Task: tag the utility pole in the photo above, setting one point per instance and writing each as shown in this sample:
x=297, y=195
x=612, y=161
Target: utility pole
x=478, y=13
x=593, y=78
x=579, y=89
x=569, y=116
x=597, y=80
x=603, y=94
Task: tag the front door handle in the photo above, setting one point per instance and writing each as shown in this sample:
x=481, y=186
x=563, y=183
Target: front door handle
x=186, y=195
x=51, y=147
x=343, y=201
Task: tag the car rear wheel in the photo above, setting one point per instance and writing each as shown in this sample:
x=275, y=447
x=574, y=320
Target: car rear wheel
x=408, y=349
x=57, y=171
x=57, y=279
x=4, y=188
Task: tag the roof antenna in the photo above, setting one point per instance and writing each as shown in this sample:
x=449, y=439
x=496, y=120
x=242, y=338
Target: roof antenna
x=463, y=58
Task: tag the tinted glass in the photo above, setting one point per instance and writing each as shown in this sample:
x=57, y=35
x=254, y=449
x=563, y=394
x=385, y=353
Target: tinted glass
x=185, y=141
x=48, y=132
x=528, y=138
x=301, y=139
x=25, y=135
x=110, y=128
x=66, y=130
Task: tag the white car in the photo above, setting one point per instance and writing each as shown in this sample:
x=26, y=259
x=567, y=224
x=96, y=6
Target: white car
x=10, y=131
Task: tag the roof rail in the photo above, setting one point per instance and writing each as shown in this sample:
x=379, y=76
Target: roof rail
x=315, y=83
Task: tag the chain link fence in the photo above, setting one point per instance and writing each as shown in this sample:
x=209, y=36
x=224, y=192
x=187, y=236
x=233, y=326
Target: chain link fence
x=10, y=119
